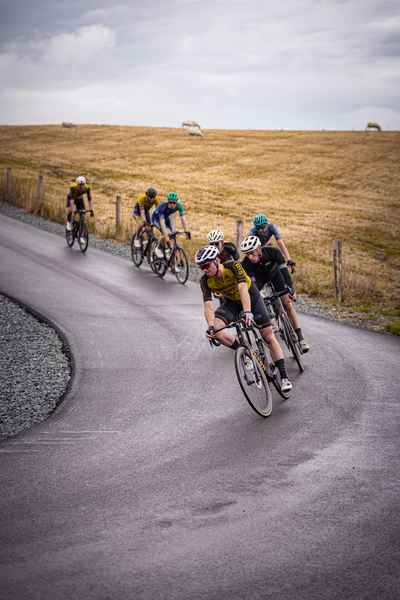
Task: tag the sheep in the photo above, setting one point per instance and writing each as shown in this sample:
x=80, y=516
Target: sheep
x=373, y=126
x=196, y=133
x=190, y=124
x=69, y=126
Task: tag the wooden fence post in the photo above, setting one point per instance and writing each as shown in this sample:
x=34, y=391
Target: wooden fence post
x=239, y=234
x=40, y=186
x=338, y=268
x=117, y=216
x=9, y=180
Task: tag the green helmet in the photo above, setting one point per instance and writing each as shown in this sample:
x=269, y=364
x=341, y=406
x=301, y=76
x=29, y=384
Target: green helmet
x=172, y=197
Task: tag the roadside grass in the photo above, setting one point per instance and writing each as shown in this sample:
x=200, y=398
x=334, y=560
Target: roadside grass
x=393, y=328
x=315, y=186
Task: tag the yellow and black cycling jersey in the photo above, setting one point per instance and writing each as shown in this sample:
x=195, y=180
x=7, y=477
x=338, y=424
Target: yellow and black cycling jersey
x=228, y=286
x=75, y=195
x=143, y=201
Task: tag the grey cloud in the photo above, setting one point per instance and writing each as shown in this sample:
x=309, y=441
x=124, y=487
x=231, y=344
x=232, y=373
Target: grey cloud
x=299, y=60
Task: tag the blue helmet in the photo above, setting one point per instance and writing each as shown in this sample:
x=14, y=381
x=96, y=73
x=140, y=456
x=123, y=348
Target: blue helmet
x=260, y=220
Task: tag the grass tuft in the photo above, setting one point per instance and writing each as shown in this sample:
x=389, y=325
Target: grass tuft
x=393, y=328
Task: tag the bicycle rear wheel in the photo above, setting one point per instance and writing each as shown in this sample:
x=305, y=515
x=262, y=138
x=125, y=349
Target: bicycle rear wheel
x=69, y=236
x=83, y=237
x=272, y=373
x=160, y=265
x=136, y=252
x=152, y=245
x=253, y=383
x=180, y=265
x=289, y=336
x=277, y=381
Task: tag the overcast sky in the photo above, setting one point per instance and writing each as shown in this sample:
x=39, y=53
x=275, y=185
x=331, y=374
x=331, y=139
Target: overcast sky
x=231, y=64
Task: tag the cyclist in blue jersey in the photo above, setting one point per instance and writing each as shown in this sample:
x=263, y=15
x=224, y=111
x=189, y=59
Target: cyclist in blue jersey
x=264, y=231
x=160, y=218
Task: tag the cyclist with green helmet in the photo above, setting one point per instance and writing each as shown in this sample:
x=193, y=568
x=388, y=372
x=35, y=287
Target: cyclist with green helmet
x=264, y=231
x=161, y=220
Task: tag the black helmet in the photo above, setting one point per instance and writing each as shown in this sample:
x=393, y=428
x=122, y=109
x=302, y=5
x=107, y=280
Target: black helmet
x=151, y=192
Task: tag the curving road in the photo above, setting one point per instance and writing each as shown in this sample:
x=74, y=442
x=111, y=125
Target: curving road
x=155, y=480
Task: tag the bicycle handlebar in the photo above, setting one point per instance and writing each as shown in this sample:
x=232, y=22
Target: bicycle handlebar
x=175, y=233
x=287, y=290
x=239, y=321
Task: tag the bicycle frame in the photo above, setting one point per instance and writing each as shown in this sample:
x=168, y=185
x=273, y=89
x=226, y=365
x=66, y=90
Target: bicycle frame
x=148, y=229
x=243, y=332
x=285, y=327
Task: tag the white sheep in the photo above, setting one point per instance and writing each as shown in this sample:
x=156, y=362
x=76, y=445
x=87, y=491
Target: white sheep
x=190, y=124
x=196, y=133
x=69, y=126
x=373, y=126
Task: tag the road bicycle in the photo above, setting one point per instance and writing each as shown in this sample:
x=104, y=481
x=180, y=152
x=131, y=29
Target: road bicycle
x=174, y=258
x=79, y=230
x=138, y=254
x=275, y=309
x=255, y=372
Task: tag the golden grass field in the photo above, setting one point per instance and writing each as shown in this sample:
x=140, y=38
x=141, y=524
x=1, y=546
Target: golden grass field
x=315, y=186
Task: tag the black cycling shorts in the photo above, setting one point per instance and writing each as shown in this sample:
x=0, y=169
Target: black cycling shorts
x=276, y=278
x=229, y=311
x=79, y=203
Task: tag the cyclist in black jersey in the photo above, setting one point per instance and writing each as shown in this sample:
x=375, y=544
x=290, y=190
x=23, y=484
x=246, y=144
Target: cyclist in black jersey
x=267, y=264
x=75, y=198
x=241, y=294
x=227, y=250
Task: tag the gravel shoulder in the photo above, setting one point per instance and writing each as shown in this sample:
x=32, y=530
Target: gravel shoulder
x=35, y=368
x=35, y=364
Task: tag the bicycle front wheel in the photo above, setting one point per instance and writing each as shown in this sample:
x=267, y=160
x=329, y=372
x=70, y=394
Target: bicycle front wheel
x=136, y=252
x=83, y=237
x=290, y=340
x=253, y=383
x=180, y=266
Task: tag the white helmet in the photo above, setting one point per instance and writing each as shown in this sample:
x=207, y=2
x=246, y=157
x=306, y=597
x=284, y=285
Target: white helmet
x=215, y=235
x=252, y=242
x=206, y=254
x=81, y=180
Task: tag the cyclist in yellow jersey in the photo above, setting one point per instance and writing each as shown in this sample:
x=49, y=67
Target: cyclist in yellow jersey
x=75, y=198
x=241, y=294
x=141, y=212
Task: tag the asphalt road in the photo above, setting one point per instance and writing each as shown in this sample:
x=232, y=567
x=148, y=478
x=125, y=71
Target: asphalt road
x=155, y=480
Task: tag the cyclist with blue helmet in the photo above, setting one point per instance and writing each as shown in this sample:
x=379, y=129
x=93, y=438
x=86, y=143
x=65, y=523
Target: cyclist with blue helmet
x=264, y=231
x=161, y=220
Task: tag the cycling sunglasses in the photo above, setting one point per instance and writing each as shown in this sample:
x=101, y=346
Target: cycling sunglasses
x=214, y=243
x=258, y=227
x=207, y=266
